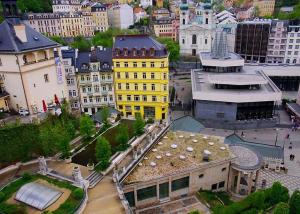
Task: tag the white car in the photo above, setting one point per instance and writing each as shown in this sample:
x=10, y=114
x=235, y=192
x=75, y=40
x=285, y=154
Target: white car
x=23, y=112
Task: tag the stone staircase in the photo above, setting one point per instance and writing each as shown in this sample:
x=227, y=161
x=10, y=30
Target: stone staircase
x=94, y=178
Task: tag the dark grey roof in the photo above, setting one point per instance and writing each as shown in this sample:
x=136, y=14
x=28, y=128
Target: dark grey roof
x=82, y=60
x=263, y=149
x=69, y=54
x=98, y=116
x=137, y=42
x=294, y=107
x=9, y=43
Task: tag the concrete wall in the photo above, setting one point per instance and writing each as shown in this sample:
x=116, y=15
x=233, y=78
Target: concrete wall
x=208, y=110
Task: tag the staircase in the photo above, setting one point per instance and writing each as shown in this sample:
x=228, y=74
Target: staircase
x=94, y=178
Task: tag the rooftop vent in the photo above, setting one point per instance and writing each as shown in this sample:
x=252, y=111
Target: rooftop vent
x=154, y=150
x=145, y=158
x=211, y=143
x=173, y=146
x=206, y=155
x=140, y=164
x=153, y=164
x=180, y=136
x=36, y=38
x=223, y=148
x=192, y=135
x=165, y=137
x=160, y=143
x=182, y=157
x=204, y=137
x=189, y=149
x=168, y=154
x=195, y=141
x=158, y=157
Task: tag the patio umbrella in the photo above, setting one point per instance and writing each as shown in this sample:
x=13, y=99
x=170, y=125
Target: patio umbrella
x=44, y=106
x=56, y=100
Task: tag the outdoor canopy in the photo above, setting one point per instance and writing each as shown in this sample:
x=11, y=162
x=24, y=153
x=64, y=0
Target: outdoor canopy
x=37, y=195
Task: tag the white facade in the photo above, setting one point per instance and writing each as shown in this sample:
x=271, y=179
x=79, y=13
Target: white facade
x=62, y=6
x=196, y=35
x=292, y=53
x=146, y=3
x=121, y=16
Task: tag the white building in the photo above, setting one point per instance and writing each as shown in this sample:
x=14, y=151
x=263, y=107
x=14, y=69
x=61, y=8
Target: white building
x=292, y=53
x=62, y=6
x=120, y=16
x=196, y=29
x=69, y=61
x=32, y=75
x=139, y=13
x=146, y=3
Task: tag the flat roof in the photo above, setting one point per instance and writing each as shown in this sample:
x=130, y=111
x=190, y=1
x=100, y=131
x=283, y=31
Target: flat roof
x=233, y=60
x=203, y=89
x=236, y=79
x=275, y=70
x=178, y=152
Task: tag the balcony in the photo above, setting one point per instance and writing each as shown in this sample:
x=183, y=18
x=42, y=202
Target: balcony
x=85, y=82
x=28, y=66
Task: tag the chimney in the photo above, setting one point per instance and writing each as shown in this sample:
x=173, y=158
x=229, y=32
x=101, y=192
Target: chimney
x=20, y=32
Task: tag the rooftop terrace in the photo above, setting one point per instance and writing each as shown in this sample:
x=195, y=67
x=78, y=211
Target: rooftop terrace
x=177, y=152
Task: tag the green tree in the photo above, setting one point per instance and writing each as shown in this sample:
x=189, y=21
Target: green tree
x=139, y=125
x=105, y=115
x=1, y=12
x=173, y=48
x=103, y=152
x=81, y=43
x=295, y=203
x=58, y=39
x=258, y=200
x=256, y=11
x=281, y=208
x=122, y=137
x=166, y=4
x=278, y=193
x=86, y=125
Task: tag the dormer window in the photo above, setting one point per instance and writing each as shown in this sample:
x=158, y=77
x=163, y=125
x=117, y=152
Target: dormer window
x=134, y=52
x=117, y=51
x=143, y=51
x=152, y=51
x=25, y=59
x=84, y=66
x=125, y=51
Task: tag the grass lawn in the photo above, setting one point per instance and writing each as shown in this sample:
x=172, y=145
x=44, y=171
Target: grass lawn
x=213, y=198
x=69, y=206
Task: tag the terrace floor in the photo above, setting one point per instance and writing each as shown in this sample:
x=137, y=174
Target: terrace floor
x=184, y=205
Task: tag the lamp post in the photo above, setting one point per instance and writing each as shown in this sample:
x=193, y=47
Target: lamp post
x=277, y=130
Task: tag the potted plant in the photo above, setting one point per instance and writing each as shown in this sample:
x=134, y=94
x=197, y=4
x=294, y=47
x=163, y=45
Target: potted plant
x=90, y=165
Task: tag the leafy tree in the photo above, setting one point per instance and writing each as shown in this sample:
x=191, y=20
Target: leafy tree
x=278, y=193
x=166, y=4
x=281, y=208
x=258, y=200
x=122, y=137
x=87, y=128
x=1, y=12
x=103, y=152
x=173, y=48
x=58, y=39
x=256, y=11
x=78, y=193
x=36, y=6
x=139, y=125
x=81, y=43
x=295, y=203
x=105, y=115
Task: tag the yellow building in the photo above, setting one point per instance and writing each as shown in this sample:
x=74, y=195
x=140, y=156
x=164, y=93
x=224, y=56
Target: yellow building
x=141, y=73
x=265, y=7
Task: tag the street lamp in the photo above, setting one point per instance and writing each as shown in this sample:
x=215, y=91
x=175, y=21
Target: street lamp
x=277, y=130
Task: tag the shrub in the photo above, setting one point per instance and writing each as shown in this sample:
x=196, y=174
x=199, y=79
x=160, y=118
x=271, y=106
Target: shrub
x=26, y=176
x=139, y=125
x=12, y=209
x=281, y=208
x=258, y=200
x=295, y=203
x=150, y=120
x=194, y=212
x=278, y=193
x=2, y=196
x=78, y=193
x=251, y=211
x=103, y=153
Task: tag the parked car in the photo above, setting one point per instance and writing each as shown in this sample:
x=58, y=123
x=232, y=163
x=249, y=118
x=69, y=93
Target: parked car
x=23, y=112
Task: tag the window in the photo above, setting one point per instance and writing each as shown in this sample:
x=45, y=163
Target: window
x=134, y=64
x=136, y=87
x=165, y=76
x=201, y=175
x=137, y=108
x=89, y=89
x=145, y=193
x=126, y=75
x=96, y=88
x=205, y=41
x=98, y=99
x=153, y=98
x=144, y=76
x=119, y=86
x=162, y=64
x=82, y=78
x=108, y=77
x=0, y=62
x=46, y=77
x=127, y=86
x=85, y=100
x=145, y=87
x=144, y=98
x=103, y=77
x=70, y=81
x=128, y=97
x=291, y=41
x=180, y=183
x=165, y=99
x=120, y=107
x=110, y=88
x=193, y=52
x=224, y=169
x=136, y=98
x=152, y=65
x=120, y=97
x=91, y=99
x=206, y=21
x=144, y=64
x=88, y=78
x=297, y=47
x=153, y=87
x=214, y=186
x=165, y=87
x=152, y=75
x=118, y=75
x=110, y=97
x=117, y=64
x=194, y=39
x=126, y=64
x=290, y=46
x=135, y=75
x=296, y=53
x=183, y=41
x=221, y=184
x=95, y=78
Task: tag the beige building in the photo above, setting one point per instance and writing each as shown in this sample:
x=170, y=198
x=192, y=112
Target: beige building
x=62, y=6
x=182, y=163
x=99, y=17
x=31, y=74
x=120, y=16
x=265, y=7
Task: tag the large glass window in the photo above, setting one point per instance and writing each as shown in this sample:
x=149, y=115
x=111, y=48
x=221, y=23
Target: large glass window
x=145, y=193
x=164, y=190
x=180, y=183
x=130, y=198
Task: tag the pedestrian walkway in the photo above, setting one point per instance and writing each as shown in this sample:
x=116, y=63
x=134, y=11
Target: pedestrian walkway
x=104, y=199
x=291, y=182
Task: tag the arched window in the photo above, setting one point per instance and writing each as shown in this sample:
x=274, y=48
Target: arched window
x=194, y=39
x=183, y=21
x=294, y=61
